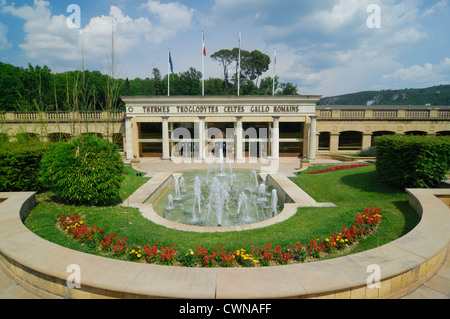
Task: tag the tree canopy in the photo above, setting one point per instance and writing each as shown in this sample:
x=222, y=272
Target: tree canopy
x=37, y=88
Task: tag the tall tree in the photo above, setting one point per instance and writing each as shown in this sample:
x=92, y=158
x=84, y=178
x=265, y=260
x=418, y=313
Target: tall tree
x=156, y=78
x=288, y=89
x=225, y=58
x=266, y=85
x=255, y=64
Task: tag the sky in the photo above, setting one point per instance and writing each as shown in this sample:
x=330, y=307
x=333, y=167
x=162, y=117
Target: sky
x=327, y=47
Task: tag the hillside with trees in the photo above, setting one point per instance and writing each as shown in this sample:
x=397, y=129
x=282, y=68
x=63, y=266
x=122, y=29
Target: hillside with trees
x=436, y=95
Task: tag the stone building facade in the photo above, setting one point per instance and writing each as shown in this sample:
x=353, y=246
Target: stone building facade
x=236, y=126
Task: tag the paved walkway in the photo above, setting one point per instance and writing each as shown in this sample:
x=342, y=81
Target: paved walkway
x=9, y=289
x=437, y=287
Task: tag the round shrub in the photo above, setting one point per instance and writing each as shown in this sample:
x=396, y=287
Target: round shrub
x=19, y=166
x=87, y=170
x=413, y=161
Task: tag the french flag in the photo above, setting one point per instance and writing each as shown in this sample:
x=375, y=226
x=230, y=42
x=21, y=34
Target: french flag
x=204, y=47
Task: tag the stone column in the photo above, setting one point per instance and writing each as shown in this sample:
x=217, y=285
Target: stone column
x=334, y=142
x=239, y=134
x=165, y=136
x=366, y=141
x=313, y=138
x=276, y=138
x=128, y=139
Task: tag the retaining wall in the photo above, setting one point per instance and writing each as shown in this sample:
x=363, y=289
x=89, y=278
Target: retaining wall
x=405, y=263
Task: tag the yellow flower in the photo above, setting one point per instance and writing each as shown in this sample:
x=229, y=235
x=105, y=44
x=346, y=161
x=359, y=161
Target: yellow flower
x=326, y=239
x=81, y=222
x=132, y=251
x=139, y=255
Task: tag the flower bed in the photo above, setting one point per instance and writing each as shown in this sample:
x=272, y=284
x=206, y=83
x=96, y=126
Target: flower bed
x=337, y=168
x=111, y=245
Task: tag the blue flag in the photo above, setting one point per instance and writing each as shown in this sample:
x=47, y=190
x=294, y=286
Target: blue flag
x=170, y=62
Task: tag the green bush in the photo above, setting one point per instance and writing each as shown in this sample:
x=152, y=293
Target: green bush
x=370, y=152
x=19, y=166
x=413, y=161
x=87, y=170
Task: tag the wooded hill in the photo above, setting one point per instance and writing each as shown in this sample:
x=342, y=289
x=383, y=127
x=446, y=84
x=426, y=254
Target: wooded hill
x=436, y=95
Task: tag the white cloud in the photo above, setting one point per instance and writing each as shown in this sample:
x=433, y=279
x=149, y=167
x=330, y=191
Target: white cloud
x=342, y=14
x=441, y=5
x=46, y=36
x=4, y=43
x=406, y=36
x=172, y=15
x=49, y=39
x=128, y=33
x=331, y=49
x=172, y=18
x=427, y=74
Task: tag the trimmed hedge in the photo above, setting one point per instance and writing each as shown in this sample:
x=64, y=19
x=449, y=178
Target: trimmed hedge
x=19, y=166
x=84, y=171
x=413, y=161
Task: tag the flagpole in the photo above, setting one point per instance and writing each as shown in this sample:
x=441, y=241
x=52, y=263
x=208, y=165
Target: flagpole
x=274, y=66
x=168, y=72
x=239, y=64
x=203, y=63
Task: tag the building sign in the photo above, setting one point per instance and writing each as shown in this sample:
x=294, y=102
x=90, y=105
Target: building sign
x=225, y=106
x=216, y=110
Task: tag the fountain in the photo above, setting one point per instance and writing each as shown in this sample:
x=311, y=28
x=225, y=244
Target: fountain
x=182, y=185
x=274, y=202
x=169, y=206
x=218, y=197
x=221, y=161
x=196, y=213
x=262, y=192
x=255, y=177
x=243, y=206
x=217, y=201
x=230, y=169
x=177, y=190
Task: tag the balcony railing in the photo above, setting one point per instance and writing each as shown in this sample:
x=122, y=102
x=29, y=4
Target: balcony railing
x=342, y=113
x=417, y=114
x=444, y=114
x=84, y=116
x=385, y=114
x=352, y=114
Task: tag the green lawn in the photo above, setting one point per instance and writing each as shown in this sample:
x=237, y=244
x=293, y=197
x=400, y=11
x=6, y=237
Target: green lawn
x=351, y=190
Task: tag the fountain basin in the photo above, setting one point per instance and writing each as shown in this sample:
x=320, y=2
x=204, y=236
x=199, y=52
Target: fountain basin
x=218, y=198
x=288, y=193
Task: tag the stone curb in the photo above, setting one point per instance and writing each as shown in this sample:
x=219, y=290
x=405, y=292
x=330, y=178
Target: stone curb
x=404, y=263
